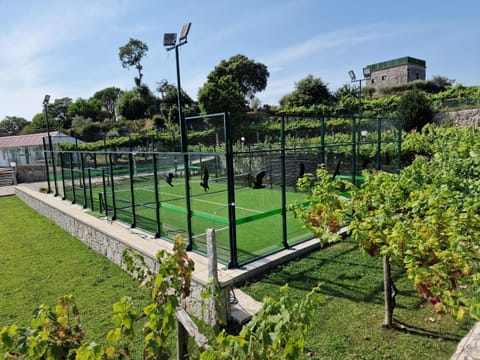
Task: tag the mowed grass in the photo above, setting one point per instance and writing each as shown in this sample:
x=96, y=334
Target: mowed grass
x=39, y=263
x=347, y=324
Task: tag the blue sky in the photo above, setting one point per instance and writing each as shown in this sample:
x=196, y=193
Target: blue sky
x=70, y=48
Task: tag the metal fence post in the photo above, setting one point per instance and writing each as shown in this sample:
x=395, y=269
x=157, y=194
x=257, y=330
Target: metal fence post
x=283, y=183
x=232, y=226
x=354, y=152
x=114, y=204
x=157, y=198
x=90, y=188
x=72, y=176
x=132, y=189
x=47, y=170
x=82, y=165
x=379, y=144
x=63, y=175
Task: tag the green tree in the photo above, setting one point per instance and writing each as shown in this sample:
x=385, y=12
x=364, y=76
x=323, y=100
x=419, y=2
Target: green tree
x=308, y=92
x=89, y=109
x=132, y=54
x=442, y=82
x=414, y=110
x=39, y=123
x=251, y=76
x=12, y=125
x=136, y=104
x=169, y=96
x=169, y=102
x=58, y=111
x=221, y=94
x=109, y=97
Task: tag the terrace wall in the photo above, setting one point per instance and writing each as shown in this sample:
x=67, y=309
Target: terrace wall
x=461, y=118
x=111, y=240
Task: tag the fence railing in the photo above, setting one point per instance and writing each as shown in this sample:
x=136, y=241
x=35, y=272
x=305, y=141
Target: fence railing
x=243, y=191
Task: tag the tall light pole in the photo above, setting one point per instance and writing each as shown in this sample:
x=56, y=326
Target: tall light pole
x=170, y=42
x=46, y=100
x=353, y=78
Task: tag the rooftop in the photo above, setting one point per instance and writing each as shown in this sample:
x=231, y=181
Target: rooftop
x=396, y=62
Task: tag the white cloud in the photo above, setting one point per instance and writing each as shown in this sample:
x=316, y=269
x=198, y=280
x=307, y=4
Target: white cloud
x=30, y=48
x=333, y=40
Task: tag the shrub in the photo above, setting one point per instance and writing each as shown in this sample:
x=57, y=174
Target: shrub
x=414, y=110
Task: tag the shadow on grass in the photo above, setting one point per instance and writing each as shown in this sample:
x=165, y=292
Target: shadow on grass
x=344, y=274
x=418, y=331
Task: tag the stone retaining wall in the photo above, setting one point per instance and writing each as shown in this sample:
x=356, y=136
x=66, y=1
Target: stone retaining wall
x=112, y=245
x=461, y=118
x=31, y=173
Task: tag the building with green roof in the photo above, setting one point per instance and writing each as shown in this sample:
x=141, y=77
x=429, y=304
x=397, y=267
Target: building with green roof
x=395, y=72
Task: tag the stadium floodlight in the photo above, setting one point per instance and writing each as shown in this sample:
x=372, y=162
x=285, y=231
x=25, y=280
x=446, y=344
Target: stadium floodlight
x=170, y=42
x=353, y=78
x=184, y=32
x=352, y=75
x=169, y=39
x=367, y=72
x=46, y=99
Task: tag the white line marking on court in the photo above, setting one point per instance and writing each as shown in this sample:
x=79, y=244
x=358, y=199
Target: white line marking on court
x=217, y=230
x=214, y=203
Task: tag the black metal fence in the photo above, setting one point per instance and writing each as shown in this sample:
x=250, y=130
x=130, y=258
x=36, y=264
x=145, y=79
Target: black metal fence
x=238, y=176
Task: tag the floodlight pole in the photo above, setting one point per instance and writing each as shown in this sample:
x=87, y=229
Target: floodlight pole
x=50, y=147
x=183, y=134
x=353, y=78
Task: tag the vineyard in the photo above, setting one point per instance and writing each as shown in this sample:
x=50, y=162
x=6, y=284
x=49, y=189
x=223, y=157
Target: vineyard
x=423, y=222
x=425, y=219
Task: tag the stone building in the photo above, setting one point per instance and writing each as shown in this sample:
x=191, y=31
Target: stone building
x=394, y=72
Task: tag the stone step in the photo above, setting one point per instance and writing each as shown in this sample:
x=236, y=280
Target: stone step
x=243, y=306
x=6, y=176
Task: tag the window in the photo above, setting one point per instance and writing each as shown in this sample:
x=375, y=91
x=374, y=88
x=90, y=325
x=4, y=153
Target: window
x=384, y=77
x=418, y=75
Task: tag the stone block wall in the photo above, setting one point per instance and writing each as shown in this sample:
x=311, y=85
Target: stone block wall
x=461, y=118
x=31, y=173
x=112, y=246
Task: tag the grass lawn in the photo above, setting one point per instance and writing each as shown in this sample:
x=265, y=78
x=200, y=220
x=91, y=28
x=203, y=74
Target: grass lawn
x=348, y=322
x=39, y=262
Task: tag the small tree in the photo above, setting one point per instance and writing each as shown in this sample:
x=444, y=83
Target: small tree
x=415, y=110
x=308, y=92
x=109, y=97
x=221, y=95
x=251, y=76
x=12, y=125
x=132, y=54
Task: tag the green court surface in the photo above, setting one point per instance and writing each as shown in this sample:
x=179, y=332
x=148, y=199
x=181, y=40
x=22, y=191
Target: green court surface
x=258, y=212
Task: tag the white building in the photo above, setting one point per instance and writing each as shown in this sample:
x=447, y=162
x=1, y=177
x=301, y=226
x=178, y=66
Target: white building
x=28, y=149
